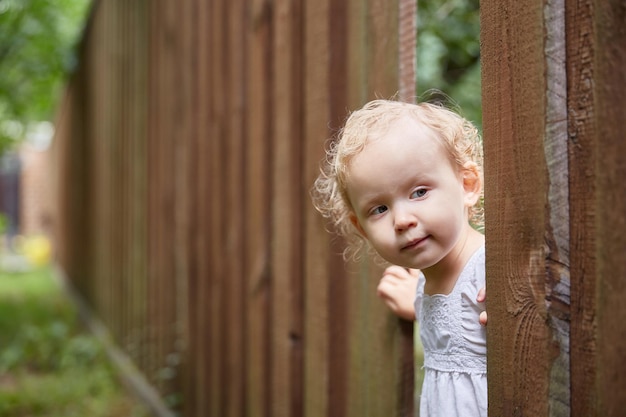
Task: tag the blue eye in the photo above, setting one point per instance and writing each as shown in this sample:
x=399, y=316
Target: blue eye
x=378, y=210
x=419, y=193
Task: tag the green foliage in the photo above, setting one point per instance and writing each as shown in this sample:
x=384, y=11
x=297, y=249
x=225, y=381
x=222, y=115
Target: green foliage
x=37, y=39
x=4, y=223
x=448, y=53
x=49, y=365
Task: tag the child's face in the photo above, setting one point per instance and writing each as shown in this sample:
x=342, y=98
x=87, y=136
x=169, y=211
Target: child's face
x=408, y=199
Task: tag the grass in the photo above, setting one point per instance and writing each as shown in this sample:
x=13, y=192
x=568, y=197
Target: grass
x=49, y=364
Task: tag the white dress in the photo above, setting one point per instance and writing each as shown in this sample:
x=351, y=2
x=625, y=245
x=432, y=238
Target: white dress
x=455, y=346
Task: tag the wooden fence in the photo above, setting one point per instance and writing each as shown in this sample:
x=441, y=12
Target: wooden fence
x=185, y=149
x=186, y=146
x=555, y=155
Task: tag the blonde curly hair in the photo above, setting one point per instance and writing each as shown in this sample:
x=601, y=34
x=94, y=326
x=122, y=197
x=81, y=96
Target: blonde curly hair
x=459, y=137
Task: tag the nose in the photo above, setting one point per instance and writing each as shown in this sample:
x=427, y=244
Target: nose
x=404, y=219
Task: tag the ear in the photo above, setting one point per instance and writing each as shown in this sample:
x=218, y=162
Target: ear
x=355, y=222
x=472, y=183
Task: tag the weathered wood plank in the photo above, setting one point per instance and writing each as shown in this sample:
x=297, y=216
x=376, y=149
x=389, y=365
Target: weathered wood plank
x=186, y=216
x=337, y=329
x=217, y=116
x=518, y=207
x=202, y=238
x=582, y=189
x=233, y=315
x=611, y=205
x=596, y=49
x=317, y=242
x=287, y=309
x=258, y=195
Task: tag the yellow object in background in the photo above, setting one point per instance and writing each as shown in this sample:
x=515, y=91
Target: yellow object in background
x=36, y=249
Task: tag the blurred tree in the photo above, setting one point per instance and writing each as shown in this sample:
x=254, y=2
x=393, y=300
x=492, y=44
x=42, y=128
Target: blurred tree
x=37, y=43
x=448, y=53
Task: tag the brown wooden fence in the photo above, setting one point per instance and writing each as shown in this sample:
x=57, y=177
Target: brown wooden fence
x=555, y=205
x=186, y=146
x=185, y=149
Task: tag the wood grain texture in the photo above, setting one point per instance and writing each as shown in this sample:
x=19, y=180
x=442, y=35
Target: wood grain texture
x=551, y=89
x=315, y=104
x=597, y=49
x=257, y=190
x=287, y=312
x=611, y=205
x=517, y=206
x=195, y=132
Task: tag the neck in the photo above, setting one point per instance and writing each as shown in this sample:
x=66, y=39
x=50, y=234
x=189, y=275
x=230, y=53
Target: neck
x=441, y=277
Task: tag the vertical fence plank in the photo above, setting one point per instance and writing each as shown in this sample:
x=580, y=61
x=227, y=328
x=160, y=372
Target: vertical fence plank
x=286, y=395
x=153, y=128
x=165, y=297
x=102, y=133
x=187, y=204
x=583, y=156
x=174, y=291
x=338, y=297
x=202, y=237
x=611, y=205
x=233, y=316
x=317, y=256
x=218, y=277
x=516, y=190
x=407, y=49
x=596, y=49
x=257, y=190
x=139, y=192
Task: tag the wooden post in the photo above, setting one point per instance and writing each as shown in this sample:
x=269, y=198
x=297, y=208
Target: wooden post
x=555, y=209
x=596, y=113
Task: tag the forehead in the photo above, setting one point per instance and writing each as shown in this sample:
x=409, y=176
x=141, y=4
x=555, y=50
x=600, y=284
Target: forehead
x=406, y=133
x=407, y=148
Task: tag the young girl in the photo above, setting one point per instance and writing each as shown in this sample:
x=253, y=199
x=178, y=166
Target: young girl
x=406, y=180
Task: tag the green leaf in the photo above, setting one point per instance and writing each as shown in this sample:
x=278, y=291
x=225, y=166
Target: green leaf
x=37, y=46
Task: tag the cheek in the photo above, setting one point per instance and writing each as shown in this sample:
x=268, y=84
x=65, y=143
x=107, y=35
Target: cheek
x=447, y=217
x=378, y=234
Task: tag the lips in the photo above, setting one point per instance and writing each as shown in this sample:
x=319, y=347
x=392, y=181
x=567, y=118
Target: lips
x=413, y=243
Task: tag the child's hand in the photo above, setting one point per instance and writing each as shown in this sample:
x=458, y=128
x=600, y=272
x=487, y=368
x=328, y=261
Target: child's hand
x=481, y=297
x=397, y=289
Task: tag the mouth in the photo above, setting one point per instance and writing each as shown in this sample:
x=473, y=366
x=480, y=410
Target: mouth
x=414, y=243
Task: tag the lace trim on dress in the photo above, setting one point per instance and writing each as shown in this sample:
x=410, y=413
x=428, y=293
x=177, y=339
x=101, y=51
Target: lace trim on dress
x=462, y=363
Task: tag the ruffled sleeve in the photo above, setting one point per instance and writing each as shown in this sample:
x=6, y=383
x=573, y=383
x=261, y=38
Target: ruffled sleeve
x=419, y=295
x=474, y=334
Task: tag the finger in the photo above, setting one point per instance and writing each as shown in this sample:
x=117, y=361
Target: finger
x=397, y=271
x=482, y=295
x=389, y=288
x=415, y=273
x=385, y=287
x=402, y=274
x=392, y=279
x=483, y=318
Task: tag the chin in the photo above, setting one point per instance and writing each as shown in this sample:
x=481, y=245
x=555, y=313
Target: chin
x=421, y=264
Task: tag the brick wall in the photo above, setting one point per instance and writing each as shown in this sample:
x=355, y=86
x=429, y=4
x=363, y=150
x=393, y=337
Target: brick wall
x=34, y=191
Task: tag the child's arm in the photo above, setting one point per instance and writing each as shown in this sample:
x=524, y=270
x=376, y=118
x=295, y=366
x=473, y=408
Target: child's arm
x=397, y=289
x=481, y=297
